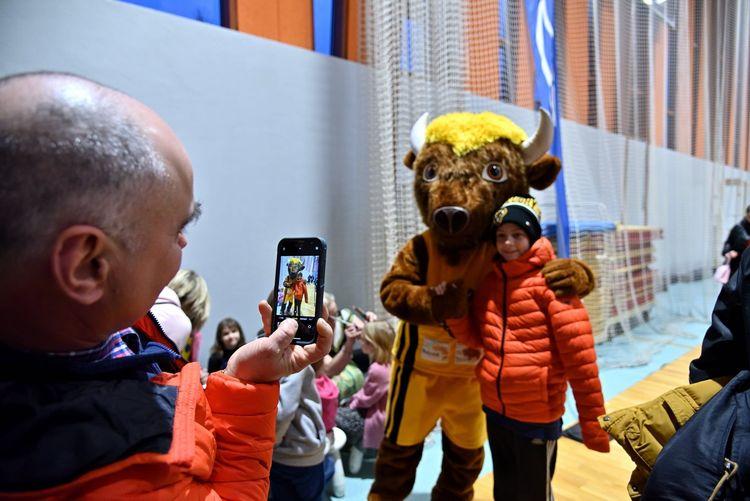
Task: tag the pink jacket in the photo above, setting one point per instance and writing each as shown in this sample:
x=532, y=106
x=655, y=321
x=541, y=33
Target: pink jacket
x=329, y=398
x=373, y=397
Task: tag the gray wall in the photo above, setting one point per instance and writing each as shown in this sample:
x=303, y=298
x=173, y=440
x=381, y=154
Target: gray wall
x=277, y=134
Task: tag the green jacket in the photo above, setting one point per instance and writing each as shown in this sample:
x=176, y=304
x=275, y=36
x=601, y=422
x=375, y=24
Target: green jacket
x=644, y=429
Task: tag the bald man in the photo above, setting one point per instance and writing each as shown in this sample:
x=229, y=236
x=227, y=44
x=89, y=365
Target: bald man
x=95, y=194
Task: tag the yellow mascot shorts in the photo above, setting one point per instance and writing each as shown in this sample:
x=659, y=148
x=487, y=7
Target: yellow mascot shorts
x=417, y=399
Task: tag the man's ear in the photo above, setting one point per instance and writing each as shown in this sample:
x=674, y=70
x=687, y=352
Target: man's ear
x=409, y=159
x=543, y=172
x=81, y=263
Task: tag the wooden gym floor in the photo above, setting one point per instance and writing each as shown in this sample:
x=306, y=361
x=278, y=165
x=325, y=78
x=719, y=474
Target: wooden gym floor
x=584, y=474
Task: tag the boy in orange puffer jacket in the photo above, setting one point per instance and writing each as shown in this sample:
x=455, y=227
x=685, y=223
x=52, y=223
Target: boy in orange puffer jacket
x=534, y=344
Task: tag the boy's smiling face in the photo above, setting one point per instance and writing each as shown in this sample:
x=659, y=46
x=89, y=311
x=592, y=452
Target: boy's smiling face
x=511, y=241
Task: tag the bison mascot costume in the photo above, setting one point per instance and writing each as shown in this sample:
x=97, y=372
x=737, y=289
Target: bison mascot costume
x=465, y=166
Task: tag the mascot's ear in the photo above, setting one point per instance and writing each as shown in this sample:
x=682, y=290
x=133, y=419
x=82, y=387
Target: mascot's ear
x=409, y=159
x=543, y=172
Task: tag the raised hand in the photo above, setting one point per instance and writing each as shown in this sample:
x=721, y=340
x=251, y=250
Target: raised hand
x=270, y=358
x=354, y=330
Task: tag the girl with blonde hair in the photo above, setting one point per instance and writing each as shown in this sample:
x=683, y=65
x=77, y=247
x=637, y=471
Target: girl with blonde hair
x=377, y=341
x=192, y=290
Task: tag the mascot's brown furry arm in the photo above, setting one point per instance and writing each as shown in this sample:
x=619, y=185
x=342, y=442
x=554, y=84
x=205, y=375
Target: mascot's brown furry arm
x=465, y=166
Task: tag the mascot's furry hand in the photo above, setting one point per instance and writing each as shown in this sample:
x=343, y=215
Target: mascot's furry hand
x=569, y=277
x=449, y=300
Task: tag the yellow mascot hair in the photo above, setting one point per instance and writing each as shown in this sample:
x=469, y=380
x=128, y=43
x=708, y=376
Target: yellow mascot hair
x=466, y=132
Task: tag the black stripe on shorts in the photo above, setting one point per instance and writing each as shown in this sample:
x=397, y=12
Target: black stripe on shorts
x=403, y=383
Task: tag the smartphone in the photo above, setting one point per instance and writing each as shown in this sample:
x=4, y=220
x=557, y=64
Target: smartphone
x=299, y=286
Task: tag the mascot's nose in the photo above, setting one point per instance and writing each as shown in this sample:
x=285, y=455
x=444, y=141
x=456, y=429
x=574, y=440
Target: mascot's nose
x=451, y=219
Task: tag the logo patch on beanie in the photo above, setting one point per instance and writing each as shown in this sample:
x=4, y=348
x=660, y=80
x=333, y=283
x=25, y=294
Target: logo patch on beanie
x=500, y=215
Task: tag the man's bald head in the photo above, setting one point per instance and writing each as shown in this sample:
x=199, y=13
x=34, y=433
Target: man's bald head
x=72, y=152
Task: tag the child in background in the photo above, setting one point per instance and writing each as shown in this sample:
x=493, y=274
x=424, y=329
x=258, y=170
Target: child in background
x=329, y=397
x=377, y=341
x=534, y=344
x=192, y=291
x=229, y=337
x=297, y=471
x=339, y=365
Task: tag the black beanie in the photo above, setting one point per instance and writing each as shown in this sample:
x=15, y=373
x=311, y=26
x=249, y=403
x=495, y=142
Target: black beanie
x=523, y=211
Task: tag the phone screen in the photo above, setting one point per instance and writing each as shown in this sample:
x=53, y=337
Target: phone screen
x=300, y=269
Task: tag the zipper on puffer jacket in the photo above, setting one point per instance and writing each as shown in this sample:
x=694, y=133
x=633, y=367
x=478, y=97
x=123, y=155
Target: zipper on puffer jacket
x=174, y=366
x=172, y=346
x=502, y=341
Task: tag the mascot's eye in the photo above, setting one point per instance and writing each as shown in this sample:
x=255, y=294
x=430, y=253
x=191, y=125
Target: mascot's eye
x=496, y=173
x=429, y=173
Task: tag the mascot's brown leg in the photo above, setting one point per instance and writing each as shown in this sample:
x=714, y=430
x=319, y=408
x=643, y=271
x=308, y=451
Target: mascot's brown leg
x=458, y=473
x=395, y=470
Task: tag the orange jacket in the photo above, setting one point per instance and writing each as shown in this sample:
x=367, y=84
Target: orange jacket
x=300, y=290
x=221, y=447
x=534, y=343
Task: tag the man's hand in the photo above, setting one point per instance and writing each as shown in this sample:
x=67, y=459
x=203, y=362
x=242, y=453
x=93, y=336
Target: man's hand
x=267, y=359
x=731, y=255
x=568, y=277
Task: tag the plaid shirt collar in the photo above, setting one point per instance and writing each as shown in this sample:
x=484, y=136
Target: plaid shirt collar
x=123, y=354
x=117, y=345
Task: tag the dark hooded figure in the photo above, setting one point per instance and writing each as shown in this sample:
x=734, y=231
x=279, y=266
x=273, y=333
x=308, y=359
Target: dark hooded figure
x=737, y=241
x=709, y=457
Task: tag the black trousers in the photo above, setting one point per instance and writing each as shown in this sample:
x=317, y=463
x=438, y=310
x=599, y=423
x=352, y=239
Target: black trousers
x=523, y=468
x=297, y=307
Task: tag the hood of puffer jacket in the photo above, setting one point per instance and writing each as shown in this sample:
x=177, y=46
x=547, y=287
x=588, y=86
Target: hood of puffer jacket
x=539, y=254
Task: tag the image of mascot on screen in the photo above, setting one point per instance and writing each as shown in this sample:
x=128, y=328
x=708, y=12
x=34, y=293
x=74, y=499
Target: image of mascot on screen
x=296, y=294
